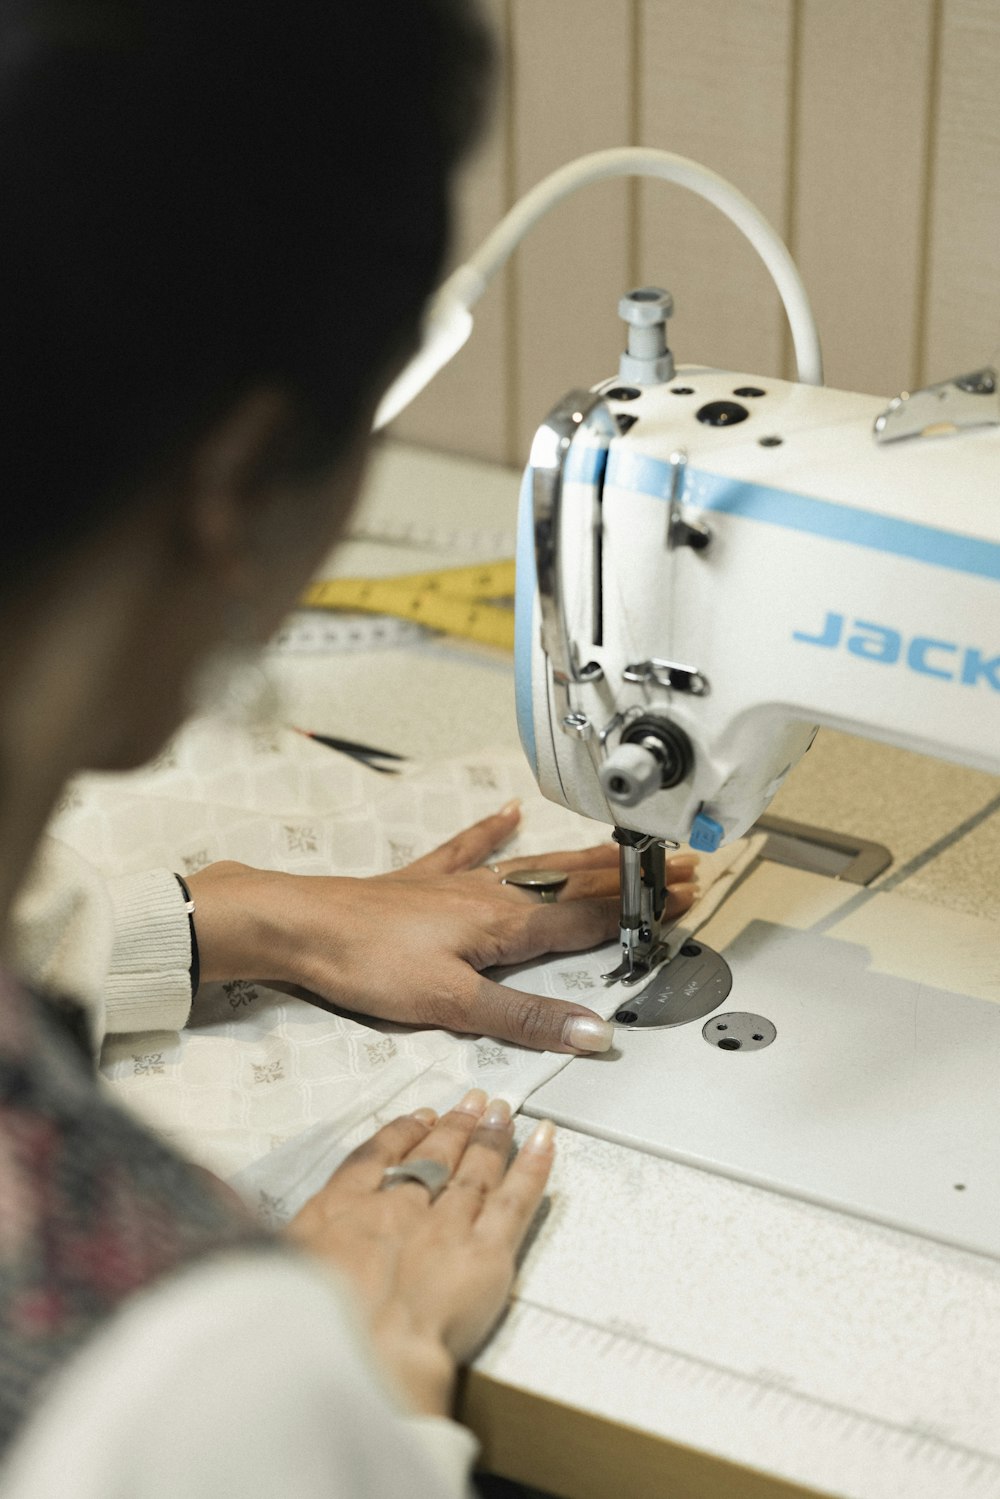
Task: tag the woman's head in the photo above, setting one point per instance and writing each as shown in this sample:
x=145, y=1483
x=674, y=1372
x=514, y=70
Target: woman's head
x=219, y=221
x=203, y=198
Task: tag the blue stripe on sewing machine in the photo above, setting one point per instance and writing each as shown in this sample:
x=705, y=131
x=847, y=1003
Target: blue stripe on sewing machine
x=638, y=472
x=797, y=512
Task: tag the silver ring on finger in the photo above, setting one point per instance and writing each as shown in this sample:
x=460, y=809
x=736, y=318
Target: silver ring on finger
x=426, y=1173
x=545, y=883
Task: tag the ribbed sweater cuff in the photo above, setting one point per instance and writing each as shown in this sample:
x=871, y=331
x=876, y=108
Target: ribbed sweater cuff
x=149, y=983
x=452, y=1448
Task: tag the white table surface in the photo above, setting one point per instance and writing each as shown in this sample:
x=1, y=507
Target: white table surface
x=706, y=1313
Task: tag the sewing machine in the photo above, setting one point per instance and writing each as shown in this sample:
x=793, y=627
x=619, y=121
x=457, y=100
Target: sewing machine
x=712, y=564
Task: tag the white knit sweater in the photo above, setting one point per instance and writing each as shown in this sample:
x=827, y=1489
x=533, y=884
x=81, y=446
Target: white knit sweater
x=243, y=1376
x=122, y=947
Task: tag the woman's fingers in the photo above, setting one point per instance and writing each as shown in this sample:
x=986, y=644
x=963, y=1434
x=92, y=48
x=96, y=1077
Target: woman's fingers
x=508, y=1211
x=560, y=926
x=469, y=847
x=482, y=1167
x=363, y=1169
x=680, y=898
x=472, y=845
x=600, y=884
x=418, y=1136
x=599, y=856
x=584, y=884
x=445, y=1143
x=593, y=872
x=532, y=1020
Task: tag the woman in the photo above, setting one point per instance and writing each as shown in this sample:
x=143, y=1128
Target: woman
x=220, y=222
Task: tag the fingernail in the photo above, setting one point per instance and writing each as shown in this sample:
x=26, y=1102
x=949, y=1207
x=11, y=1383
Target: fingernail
x=497, y=1115
x=509, y=808
x=541, y=1137
x=587, y=1033
x=474, y=1102
x=424, y=1116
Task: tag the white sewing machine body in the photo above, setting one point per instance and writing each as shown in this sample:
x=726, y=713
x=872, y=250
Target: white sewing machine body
x=833, y=580
x=844, y=582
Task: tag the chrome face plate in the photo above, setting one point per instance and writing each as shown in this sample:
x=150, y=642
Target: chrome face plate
x=688, y=987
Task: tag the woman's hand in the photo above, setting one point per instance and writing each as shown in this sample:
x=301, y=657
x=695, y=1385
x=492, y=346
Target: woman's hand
x=411, y=946
x=431, y=1278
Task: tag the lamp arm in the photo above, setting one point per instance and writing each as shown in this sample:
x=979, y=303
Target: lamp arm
x=449, y=321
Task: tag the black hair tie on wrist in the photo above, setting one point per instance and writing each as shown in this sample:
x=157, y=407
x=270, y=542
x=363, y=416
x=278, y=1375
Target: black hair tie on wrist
x=195, y=969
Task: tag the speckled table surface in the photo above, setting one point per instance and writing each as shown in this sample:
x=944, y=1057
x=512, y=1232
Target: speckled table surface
x=702, y=1307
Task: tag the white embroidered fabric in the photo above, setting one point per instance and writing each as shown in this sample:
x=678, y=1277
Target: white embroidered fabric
x=270, y=1091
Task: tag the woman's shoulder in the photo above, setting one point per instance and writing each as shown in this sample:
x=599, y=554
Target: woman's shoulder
x=240, y=1374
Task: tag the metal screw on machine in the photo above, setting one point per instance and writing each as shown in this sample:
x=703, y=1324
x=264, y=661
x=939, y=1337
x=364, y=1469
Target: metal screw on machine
x=687, y=987
x=577, y=724
x=647, y=359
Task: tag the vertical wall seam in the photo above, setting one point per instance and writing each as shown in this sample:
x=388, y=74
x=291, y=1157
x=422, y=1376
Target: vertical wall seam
x=921, y=310
x=511, y=341
x=796, y=25
x=634, y=198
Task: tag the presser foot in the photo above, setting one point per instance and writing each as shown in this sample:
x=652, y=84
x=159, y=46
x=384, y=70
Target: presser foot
x=693, y=983
x=634, y=967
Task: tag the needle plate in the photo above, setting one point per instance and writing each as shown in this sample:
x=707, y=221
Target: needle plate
x=690, y=986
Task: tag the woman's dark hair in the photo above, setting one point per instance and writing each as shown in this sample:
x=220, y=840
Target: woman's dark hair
x=200, y=197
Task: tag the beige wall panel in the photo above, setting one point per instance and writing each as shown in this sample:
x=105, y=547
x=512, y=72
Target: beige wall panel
x=963, y=317
x=466, y=408
x=861, y=138
x=571, y=87
x=714, y=81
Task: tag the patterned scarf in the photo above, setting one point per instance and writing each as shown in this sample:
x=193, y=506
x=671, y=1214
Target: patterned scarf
x=92, y=1207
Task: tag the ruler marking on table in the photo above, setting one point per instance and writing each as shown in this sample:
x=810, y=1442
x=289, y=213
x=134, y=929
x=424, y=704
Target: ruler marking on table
x=785, y=1401
x=307, y=634
x=482, y=543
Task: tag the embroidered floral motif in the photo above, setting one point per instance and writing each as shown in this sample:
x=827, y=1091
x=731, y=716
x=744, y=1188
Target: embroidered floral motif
x=148, y=1065
x=488, y=1054
x=240, y=993
x=481, y=778
x=267, y=1072
x=380, y=1052
x=271, y=1211
x=301, y=840
x=575, y=979
x=400, y=854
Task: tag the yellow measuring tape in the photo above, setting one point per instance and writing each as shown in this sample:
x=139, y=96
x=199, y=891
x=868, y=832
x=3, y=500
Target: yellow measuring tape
x=473, y=603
